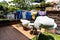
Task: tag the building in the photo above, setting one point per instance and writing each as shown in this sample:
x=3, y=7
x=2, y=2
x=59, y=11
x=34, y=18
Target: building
x=55, y=6
x=55, y=1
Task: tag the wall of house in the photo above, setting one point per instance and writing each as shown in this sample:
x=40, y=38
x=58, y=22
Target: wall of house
x=55, y=15
x=55, y=1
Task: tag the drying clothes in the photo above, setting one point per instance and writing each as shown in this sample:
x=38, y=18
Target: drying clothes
x=33, y=14
x=43, y=13
x=28, y=15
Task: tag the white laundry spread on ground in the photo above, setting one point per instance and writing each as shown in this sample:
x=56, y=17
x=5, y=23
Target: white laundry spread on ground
x=24, y=21
x=45, y=21
x=40, y=20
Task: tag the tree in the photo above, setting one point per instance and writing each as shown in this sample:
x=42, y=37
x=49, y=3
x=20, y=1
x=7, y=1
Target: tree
x=32, y=0
x=39, y=1
x=12, y=8
x=23, y=4
x=1, y=7
x=4, y=6
x=42, y=6
x=48, y=4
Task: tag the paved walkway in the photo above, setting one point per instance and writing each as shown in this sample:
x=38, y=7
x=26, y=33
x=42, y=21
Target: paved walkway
x=10, y=33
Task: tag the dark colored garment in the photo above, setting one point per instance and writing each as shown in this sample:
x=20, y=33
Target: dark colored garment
x=19, y=14
x=14, y=14
x=28, y=15
x=37, y=15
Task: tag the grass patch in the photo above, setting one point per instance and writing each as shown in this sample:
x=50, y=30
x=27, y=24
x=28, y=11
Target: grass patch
x=3, y=19
x=34, y=38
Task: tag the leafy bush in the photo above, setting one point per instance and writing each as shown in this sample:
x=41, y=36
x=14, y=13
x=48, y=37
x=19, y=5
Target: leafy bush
x=12, y=8
x=48, y=4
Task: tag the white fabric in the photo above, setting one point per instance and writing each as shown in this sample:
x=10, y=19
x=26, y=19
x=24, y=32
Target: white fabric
x=10, y=16
x=45, y=21
x=30, y=25
x=24, y=14
x=55, y=25
x=24, y=21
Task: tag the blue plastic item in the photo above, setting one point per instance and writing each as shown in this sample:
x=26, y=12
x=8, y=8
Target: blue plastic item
x=28, y=15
